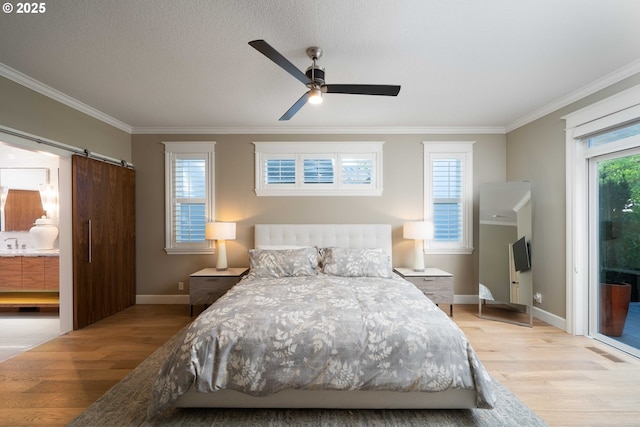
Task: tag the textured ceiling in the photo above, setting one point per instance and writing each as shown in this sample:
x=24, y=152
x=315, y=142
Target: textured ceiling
x=187, y=64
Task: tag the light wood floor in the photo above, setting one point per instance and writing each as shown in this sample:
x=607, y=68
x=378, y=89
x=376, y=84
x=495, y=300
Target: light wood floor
x=566, y=380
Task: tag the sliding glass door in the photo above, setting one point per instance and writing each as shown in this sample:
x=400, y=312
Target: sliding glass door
x=614, y=249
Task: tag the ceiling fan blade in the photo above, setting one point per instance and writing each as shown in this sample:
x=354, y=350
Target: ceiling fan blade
x=295, y=107
x=268, y=51
x=386, y=90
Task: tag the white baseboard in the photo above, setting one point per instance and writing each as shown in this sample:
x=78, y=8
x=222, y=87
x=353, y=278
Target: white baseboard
x=162, y=299
x=550, y=318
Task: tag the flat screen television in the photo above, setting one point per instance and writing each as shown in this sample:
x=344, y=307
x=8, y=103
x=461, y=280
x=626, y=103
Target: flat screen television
x=521, y=255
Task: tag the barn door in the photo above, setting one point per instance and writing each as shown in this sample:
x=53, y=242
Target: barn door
x=103, y=239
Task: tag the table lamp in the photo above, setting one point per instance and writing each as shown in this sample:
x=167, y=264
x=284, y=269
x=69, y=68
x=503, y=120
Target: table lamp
x=418, y=231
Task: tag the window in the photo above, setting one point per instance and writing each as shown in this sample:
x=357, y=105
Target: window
x=280, y=171
x=319, y=171
x=448, y=188
x=189, y=196
x=318, y=168
x=599, y=129
x=609, y=136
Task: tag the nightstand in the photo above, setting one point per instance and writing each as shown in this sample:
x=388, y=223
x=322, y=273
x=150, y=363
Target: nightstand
x=436, y=284
x=209, y=284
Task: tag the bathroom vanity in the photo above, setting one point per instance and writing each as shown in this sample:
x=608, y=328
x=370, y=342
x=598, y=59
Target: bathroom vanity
x=29, y=278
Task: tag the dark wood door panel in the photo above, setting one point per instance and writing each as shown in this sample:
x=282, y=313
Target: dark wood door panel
x=104, y=239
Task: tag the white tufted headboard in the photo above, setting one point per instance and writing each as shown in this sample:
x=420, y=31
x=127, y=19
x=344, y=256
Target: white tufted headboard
x=325, y=235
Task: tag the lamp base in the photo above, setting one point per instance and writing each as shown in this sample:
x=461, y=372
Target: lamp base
x=418, y=260
x=221, y=264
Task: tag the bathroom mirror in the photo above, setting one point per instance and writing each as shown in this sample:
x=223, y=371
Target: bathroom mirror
x=20, y=203
x=504, y=250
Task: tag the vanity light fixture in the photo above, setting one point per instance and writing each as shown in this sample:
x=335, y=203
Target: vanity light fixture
x=418, y=231
x=221, y=231
x=3, y=196
x=49, y=197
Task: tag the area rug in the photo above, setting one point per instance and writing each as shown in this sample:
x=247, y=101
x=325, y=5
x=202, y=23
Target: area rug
x=127, y=402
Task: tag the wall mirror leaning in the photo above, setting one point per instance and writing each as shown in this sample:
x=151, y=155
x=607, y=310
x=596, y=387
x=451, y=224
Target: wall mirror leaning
x=505, y=276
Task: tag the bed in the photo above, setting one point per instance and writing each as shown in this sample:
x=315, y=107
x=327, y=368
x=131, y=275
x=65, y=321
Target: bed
x=321, y=321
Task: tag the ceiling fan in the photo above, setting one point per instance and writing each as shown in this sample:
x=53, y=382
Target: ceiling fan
x=313, y=78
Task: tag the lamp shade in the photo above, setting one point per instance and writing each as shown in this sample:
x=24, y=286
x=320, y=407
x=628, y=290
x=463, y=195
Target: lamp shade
x=220, y=231
x=417, y=230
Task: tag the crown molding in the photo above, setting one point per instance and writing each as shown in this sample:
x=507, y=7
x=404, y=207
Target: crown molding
x=583, y=92
x=56, y=95
x=316, y=131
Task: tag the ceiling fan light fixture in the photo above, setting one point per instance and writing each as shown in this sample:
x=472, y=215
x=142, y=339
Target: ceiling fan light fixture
x=315, y=96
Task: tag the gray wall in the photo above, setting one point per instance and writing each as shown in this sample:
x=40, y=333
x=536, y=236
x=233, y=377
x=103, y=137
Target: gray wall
x=30, y=112
x=402, y=200
x=536, y=152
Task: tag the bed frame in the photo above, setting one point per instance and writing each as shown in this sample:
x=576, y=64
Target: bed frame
x=327, y=235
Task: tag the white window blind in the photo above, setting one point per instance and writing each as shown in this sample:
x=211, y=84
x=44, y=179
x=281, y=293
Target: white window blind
x=447, y=200
x=189, y=204
x=448, y=196
x=356, y=170
x=280, y=171
x=319, y=169
x=189, y=196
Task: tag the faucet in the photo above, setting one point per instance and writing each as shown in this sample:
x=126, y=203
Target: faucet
x=9, y=244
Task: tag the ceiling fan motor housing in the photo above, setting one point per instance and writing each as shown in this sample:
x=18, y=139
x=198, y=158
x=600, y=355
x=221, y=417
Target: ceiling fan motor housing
x=315, y=74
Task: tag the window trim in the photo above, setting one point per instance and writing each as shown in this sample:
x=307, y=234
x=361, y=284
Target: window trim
x=299, y=150
x=207, y=149
x=462, y=150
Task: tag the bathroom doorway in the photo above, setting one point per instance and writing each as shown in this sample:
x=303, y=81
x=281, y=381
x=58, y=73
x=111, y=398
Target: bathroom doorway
x=30, y=318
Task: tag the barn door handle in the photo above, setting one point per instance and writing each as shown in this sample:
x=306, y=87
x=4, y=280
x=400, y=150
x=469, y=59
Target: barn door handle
x=89, y=245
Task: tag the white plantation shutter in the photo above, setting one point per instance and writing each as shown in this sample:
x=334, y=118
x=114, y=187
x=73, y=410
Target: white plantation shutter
x=447, y=200
x=280, y=171
x=448, y=196
x=357, y=170
x=189, y=189
x=318, y=168
x=189, y=203
x=319, y=171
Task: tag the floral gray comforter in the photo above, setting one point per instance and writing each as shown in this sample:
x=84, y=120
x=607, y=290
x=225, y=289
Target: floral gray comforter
x=322, y=332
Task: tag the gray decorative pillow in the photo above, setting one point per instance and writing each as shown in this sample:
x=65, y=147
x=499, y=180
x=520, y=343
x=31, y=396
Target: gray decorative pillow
x=356, y=262
x=283, y=263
